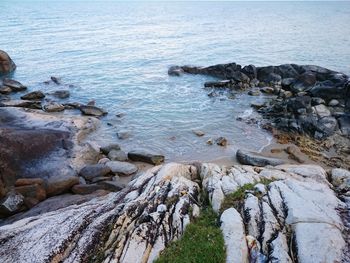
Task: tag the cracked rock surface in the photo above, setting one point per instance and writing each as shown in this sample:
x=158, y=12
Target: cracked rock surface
x=296, y=220
x=294, y=214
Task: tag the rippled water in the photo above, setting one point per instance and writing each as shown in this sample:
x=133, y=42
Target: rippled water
x=117, y=53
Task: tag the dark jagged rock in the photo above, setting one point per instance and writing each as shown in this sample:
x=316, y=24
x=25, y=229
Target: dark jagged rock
x=6, y=63
x=55, y=80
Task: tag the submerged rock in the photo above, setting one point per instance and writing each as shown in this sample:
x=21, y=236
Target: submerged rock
x=175, y=71
x=6, y=63
x=221, y=141
x=61, y=94
x=147, y=157
x=109, y=147
x=55, y=80
x=199, y=133
x=122, y=135
x=251, y=158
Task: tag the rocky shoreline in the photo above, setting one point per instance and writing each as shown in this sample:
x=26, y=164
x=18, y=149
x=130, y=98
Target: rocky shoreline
x=63, y=198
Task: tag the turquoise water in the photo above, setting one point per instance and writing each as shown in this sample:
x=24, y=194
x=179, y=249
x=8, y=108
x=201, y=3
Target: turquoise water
x=118, y=53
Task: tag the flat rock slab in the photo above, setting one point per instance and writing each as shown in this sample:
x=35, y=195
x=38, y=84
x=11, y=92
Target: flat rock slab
x=146, y=157
x=251, y=158
x=233, y=230
x=122, y=168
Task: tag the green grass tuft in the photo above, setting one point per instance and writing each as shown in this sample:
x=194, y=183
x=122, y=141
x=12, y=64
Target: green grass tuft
x=202, y=242
x=235, y=199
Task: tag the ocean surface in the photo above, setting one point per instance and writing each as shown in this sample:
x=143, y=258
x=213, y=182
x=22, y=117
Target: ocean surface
x=118, y=54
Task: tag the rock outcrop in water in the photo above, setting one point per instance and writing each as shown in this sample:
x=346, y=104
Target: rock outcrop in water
x=6, y=64
x=310, y=99
x=290, y=214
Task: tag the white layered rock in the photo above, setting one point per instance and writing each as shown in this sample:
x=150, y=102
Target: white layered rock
x=234, y=236
x=297, y=218
x=133, y=225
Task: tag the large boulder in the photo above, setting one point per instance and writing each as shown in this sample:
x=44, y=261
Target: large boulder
x=6, y=63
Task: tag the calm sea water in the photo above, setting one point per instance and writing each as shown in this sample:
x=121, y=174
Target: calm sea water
x=118, y=53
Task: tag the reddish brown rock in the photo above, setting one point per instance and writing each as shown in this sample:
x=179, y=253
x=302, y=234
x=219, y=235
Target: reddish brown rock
x=29, y=181
x=60, y=184
x=33, y=191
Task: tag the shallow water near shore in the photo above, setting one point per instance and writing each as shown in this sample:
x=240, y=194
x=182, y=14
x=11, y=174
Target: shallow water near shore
x=118, y=53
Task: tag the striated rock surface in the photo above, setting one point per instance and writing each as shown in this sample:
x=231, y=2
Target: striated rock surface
x=290, y=213
x=133, y=225
x=297, y=217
